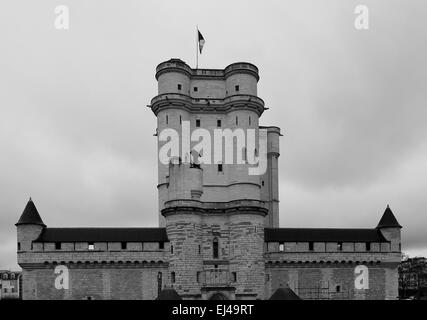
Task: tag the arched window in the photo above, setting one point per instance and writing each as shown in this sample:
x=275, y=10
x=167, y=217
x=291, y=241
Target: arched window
x=215, y=247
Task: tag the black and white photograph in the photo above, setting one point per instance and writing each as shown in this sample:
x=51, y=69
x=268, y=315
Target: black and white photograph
x=196, y=151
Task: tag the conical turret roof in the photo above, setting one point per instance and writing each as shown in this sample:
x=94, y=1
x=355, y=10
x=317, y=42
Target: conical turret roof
x=284, y=294
x=30, y=215
x=388, y=220
x=168, y=294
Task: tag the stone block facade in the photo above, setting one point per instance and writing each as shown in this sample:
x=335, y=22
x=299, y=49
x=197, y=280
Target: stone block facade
x=218, y=235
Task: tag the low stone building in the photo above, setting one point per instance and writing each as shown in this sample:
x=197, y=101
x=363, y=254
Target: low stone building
x=10, y=285
x=219, y=235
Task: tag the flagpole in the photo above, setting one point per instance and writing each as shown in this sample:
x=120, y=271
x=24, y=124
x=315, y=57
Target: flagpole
x=197, y=46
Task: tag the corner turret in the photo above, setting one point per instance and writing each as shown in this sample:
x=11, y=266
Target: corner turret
x=390, y=229
x=29, y=227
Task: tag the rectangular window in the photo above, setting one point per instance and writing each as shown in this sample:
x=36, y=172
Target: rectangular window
x=180, y=120
x=173, y=277
x=249, y=120
x=179, y=86
x=195, y=89
x=57, y=245
x=311, y=246
x=91, y=246
x=237, y=121
x=215, y=249
x=234, y=276
x=237, y=88
x=19, y=246
x=339, y=246
x=281, y=247
x=338, y=289
x=197, y=122
x=161, y=245
x=218, y=123
x=198, y=277
x=124, y=245
x=368, y=246
x=220, y=168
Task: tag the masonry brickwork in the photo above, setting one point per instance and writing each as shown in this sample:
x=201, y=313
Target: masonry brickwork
x=219, y=232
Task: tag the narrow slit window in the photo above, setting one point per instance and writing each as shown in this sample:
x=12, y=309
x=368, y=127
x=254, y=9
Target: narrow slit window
x=237, y=120
x=167, y=119
x=250, y=120
x=198, y=123
x=173, y=277
x=215, y=247
x=218, y=123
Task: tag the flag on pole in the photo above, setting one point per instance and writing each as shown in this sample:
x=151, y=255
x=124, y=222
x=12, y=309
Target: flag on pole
x=201, y=41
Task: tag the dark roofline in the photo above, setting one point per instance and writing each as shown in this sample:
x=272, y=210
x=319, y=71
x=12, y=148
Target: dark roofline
x=322, y=235
x=103, y=235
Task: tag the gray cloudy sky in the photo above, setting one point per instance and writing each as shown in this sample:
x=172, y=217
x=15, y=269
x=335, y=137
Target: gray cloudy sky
x=75, y=133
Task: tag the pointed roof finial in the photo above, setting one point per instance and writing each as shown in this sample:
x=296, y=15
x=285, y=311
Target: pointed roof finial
x=30, y=215
x=388, y=220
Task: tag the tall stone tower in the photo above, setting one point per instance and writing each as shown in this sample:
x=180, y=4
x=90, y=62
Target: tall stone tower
x=213, y=99
x=214, y=209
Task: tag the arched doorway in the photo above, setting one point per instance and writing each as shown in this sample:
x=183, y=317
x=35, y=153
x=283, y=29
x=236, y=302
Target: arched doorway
x=218, y=296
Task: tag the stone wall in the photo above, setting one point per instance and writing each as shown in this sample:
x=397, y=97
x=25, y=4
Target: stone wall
x=98, y=282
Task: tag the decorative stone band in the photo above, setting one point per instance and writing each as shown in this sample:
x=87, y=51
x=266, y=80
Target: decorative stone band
x=198, y=207
x=334, y=258
x=95, y=264
x=231, y=103
x=329, y=264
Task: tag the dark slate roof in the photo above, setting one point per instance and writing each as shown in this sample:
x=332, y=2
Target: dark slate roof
x=168, y=294
x=103, y=235
x=388, y=220
x=30, y=215
x=284, y=294
x=322, y=235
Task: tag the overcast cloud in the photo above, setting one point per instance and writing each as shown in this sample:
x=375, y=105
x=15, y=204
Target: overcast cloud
x=76, y=136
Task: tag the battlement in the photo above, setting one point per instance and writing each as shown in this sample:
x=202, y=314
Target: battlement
x=177, y=65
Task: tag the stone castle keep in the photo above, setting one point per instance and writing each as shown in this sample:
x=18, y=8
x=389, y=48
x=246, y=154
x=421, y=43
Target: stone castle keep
x=219, y=235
